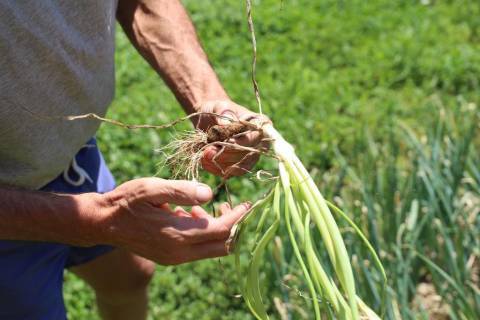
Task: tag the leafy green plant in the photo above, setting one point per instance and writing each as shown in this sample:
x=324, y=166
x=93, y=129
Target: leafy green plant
x=422, y=212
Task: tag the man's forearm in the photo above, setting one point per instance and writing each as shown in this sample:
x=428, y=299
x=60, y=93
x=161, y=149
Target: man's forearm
x=42, y=216
x=163, y=33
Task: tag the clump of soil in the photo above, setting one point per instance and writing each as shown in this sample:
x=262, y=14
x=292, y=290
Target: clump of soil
x=225, y=132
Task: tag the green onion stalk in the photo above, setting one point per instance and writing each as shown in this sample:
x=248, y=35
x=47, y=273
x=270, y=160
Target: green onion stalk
x=296, y=201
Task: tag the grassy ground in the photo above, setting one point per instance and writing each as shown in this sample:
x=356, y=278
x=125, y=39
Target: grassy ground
x=337, y=77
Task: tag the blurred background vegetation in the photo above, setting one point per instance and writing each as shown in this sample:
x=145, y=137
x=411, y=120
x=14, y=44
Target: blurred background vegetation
x=380, y=99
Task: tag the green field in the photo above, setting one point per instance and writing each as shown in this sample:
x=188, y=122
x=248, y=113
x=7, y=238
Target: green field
x=380, y=99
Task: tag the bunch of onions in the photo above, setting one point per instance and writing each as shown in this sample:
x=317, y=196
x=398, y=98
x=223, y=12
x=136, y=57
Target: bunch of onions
x=296, y=201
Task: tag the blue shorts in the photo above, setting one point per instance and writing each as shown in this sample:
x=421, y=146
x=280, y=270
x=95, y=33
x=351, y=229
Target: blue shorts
x=31, y=273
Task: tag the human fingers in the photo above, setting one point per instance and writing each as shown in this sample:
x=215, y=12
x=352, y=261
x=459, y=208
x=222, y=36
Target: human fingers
x=200, y=251
x=207, y=250
x=228, y=163
x=221, y=247
x=230, y=217
x=158, y=191
x=205, y=228
x=181, y=212
x=199, y=213
x=224, y=208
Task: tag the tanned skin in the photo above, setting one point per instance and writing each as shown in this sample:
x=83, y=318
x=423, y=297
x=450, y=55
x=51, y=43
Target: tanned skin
x=137, y=217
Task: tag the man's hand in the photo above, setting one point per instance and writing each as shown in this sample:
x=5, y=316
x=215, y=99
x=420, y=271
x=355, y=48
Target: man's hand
x=140, y=219
x=228, y=162
x=165, y=36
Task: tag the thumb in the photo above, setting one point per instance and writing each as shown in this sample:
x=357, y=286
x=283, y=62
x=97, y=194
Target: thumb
x=180, y=192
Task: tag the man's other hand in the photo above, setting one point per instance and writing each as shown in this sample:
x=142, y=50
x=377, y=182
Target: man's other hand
x=228, y=162
x=139, y=217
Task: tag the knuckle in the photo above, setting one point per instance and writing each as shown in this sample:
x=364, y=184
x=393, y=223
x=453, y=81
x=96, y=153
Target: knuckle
x=181, y=189
x=168, y=190
x=141, y=189
x=177, y=193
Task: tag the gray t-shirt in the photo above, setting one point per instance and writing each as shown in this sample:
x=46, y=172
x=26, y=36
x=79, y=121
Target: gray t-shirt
x=56, y=58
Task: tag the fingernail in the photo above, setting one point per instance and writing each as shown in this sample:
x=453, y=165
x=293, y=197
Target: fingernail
x=203, y=193
x=226, y=114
